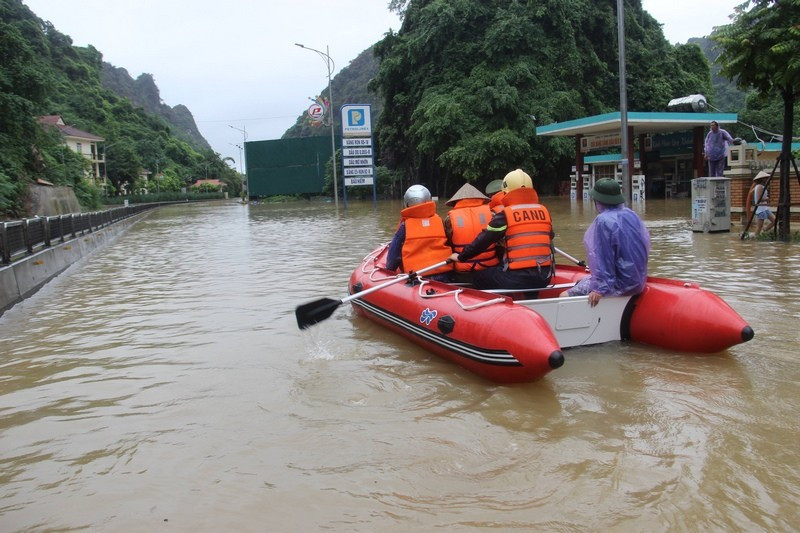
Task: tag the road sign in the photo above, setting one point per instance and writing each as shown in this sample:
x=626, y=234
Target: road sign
x=315, y=111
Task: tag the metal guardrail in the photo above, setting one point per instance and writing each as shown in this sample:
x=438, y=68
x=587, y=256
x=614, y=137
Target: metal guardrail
x=20, y=238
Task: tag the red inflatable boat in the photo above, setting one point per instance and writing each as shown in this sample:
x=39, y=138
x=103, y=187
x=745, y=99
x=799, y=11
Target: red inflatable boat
x=509, y=340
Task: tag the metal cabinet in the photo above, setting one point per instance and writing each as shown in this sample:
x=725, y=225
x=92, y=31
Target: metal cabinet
x=711, y=204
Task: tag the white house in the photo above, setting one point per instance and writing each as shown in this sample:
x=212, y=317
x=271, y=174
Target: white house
x=79, y=141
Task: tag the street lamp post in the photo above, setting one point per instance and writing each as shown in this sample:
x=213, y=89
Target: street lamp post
x=244, y=140
x=627, y=157
x=331, y=67
x=239, y=146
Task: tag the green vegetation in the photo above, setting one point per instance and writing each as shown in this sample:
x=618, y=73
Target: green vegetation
x=42, y=73
x=761, y=49
x=165, y=197
x=462, y=80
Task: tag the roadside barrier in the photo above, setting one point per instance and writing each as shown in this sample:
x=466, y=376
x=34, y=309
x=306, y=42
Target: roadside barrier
x=21, y=238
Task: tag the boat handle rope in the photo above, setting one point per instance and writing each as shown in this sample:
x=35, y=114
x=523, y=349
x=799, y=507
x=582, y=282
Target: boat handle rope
x=556, y=286
x=479, y=304
x=372, y=257
x=373, y=277
x=455, y=294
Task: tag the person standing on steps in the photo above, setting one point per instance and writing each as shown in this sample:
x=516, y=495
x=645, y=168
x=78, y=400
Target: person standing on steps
x=716, y=149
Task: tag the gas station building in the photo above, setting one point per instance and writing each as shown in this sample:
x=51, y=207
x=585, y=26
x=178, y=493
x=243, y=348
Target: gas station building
x=672, y=143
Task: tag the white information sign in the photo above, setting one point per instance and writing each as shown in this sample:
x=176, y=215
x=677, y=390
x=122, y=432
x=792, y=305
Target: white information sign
x=363, y=180
x=352, y=152
x=357, y=142
x=357, y=161
x=358, y=171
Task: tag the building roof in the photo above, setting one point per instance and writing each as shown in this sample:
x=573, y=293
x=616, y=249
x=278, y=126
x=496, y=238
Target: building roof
x=50, y=120
x=71, y=131
x=68, y=131
x=641, y=121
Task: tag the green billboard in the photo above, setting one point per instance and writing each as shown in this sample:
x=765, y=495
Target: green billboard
x=287, y=166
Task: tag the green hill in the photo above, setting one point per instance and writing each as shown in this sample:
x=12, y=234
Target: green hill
x=43, y=73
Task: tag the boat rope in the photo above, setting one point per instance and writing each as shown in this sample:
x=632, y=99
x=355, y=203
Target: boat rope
x=545, y=288
x=455, y=293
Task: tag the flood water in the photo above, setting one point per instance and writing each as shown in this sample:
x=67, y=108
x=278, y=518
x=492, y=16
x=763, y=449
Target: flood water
x=162, y=384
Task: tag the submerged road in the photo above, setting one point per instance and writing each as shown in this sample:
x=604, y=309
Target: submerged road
x=163, y=382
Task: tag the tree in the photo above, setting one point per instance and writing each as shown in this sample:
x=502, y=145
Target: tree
x=43, y=73
x=462, y=80
x=761, y=49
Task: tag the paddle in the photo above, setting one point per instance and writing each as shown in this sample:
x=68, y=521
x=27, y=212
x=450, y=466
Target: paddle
x=574, y=260
x=318, y=310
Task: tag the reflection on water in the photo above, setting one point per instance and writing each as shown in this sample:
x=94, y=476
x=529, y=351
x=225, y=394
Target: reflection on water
x=164, y=379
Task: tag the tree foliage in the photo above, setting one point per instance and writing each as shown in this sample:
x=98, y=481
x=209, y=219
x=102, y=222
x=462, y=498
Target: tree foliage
x=42, y=73
x=462, y=79
x=761, y=49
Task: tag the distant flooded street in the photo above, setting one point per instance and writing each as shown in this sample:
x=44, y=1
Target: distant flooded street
x=163, y=383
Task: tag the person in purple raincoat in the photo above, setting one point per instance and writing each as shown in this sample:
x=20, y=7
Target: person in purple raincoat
x=715, y=149
x=617, y=247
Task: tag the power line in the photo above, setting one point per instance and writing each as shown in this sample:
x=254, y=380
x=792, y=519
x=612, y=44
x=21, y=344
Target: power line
x=247, y=119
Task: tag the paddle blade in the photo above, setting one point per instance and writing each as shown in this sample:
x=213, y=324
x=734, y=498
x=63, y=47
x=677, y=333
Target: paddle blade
x=316, y=311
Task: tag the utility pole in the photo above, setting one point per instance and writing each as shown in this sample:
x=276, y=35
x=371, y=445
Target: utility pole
x=331, y=67
x=244, y=136
x=623, y=106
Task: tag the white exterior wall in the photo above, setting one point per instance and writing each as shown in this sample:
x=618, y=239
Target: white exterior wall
x=88, y=149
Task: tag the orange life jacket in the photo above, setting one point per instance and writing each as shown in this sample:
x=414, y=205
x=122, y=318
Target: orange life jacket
x=467, y=219
x=496, y=203
x=528, y=240
x=426, y=241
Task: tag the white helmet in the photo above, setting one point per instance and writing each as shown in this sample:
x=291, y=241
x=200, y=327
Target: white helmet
x=417, y=194
x=517, y=179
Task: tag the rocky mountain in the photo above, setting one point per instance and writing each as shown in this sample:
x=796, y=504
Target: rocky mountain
x=143, y=92
x=726, y=97
x=349, y=86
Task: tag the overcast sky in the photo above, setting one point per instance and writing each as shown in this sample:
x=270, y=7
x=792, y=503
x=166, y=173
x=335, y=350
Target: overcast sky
x=233, y=63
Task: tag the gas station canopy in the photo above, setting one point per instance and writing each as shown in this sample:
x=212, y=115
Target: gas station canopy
x=641, y=122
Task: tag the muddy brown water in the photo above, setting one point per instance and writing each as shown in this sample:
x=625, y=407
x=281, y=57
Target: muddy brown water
x=163, y=383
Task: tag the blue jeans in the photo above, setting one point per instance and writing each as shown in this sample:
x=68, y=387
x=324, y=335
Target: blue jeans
x=716, y=168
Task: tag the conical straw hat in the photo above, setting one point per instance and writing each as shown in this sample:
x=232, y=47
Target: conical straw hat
x=466, y=191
